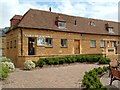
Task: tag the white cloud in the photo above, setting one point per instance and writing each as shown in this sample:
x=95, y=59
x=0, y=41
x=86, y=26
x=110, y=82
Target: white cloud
x=101, y=9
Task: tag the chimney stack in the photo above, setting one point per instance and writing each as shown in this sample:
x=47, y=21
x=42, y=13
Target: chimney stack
x=50, y=9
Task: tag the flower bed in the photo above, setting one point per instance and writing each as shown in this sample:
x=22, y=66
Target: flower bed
x=71, y=59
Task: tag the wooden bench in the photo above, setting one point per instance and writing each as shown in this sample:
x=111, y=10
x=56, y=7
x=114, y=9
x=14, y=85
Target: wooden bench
x=113, y=64
x=115, y=75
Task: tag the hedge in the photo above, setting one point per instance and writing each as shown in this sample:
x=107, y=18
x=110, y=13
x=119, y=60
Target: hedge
x=91, y=80
x=71, y=59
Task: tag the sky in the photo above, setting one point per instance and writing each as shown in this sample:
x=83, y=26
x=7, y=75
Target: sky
x=97, y=9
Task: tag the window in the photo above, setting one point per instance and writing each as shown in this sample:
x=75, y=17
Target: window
x=2, y=40
x=40, y=41
x=14, y=43
x=61, y=24
x=110, y=30
x=102, y=43
x=63, y=42
x=91, y=23
x=93, y=43
x=11, y=44
x=108, y=44
x=7, y=45
x=48, y=41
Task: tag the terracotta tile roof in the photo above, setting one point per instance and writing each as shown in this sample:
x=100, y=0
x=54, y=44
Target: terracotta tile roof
x=46, y=20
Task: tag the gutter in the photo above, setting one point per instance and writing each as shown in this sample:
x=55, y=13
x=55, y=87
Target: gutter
x=21, y=34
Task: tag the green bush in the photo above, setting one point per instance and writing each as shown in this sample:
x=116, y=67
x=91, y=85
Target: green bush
x=35, y=63
x=91, y=80
x=61, y=61
x=73, y=59
x=104, y=60
x=100, y=70
x=4, y=71
x=56, y=61
x=41, y=62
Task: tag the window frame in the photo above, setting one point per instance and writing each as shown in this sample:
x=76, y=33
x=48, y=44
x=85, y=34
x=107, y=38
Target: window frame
x=65, y=45
x=102, y=45
x=110, y=30
x=91, y=43
x=15, y=43
x=61, y=24
x=2, y=40
x=10, y=44
x=49, y=43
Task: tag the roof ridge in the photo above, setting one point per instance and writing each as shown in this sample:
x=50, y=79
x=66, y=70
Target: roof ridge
x=76, y=16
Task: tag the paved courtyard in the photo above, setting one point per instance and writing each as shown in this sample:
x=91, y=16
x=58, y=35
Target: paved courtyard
x=66, y=76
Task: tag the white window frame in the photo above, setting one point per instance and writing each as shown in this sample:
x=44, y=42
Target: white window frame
x=64, y=43
x=93, y=43
x=102, y=43
x=49, y=43
x=61, y=25
x=40, y=41
x=110, y=30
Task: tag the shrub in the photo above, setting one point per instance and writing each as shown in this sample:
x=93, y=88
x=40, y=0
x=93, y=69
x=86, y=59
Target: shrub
x=41, y=63
x=50, y=61
x=100, y=70
x=72, y=59
x=105, y=68
x=104, y=60
x=35, y=63
x=28, y=65
x=69, y=60
x=91, y=80
x=4, y=59
x=4, y=71
x=61, y=61
x=56, y=61
x=10, y=65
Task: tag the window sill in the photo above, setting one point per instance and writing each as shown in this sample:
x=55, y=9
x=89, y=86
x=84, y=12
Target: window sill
x=40, y=45
x=92, y=47
x=64, y=47
x=101, y=47
x=48, y=46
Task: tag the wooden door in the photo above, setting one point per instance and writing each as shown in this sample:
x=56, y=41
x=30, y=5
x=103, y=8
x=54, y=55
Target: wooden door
x=76, y=46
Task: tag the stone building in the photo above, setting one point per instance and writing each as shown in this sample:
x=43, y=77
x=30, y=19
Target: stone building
x=40, y=33
x=3, y=41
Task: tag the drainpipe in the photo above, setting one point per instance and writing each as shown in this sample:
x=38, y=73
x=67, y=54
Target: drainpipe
x=21, y=34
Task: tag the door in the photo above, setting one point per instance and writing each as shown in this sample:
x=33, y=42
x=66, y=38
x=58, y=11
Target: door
x=31, y=46
x=76, y=46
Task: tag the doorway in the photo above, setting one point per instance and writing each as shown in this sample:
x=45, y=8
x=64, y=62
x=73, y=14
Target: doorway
x=31, y=46
x=76, y=46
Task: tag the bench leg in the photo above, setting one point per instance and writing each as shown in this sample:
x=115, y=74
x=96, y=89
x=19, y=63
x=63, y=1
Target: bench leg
x=109, y=73
x=111, y=80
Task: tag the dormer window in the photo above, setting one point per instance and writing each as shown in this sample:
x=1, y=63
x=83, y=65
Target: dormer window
x=91, y=23
x=61, y=24
x=110, y=30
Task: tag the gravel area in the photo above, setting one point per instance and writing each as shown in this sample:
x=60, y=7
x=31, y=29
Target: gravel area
x=66, y=76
